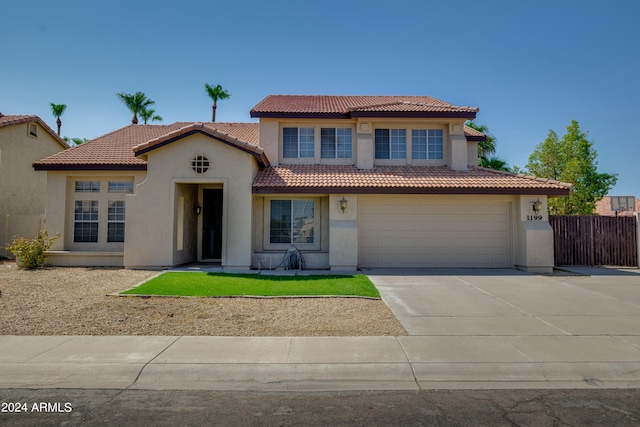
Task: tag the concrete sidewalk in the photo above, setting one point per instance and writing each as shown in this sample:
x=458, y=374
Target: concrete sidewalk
x=476, y=329
x=319, y=364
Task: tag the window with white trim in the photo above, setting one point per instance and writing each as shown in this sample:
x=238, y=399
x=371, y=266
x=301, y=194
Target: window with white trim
x=85, y=221
x=336, y=143
x=298, y=143
x=115, y=221
x=390, y=143
x=292, y=221
x=87, y=186
x=120, y=187
x=426, y=144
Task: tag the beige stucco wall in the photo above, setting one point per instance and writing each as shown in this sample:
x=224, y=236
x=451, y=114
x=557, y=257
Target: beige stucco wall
x=343, y=232
x=530, y=244
x=151, y=239
x=457, y=151
x=59, y=218
x=22, y=189
x=534, y=249
x=315, y=257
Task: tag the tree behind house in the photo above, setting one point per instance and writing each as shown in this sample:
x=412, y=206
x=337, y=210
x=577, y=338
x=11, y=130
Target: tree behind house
x=216, y=93
x=150, y=114
x=136, y=103
x=58, y=110
x=487, y=149
x=571, y=159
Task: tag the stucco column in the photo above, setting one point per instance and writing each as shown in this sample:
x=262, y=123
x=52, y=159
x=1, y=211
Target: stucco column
x=364, y=146
x=459, y=152
x=534, y=251
x=343, y=232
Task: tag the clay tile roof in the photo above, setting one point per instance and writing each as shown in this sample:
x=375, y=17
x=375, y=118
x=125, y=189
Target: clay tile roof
x=220, y=131
x=473, y=135
x=400, y=179
x=19, y=119
x=339, y=106
x=115, y=150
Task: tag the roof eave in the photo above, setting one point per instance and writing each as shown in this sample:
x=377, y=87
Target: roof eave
x=470, y=115
x=416, y=114
x=553, y=192
x=283, y=115
x=91, y=167
x=475, y=137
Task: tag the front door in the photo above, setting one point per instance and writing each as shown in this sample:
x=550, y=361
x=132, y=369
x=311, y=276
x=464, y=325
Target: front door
x=212, y=224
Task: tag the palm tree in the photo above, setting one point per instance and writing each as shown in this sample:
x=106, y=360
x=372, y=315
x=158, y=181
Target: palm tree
x=150, y=114
x=136, y=103
x=57, y=110
x=487, y=147
x=216, y=93
x=494, y=163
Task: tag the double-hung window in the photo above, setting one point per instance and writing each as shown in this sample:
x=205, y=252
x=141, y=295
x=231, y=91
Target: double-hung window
x=85, y=221
x=115, y=221
x=292, y=222
x=390, y=143
x=297, y=143
x=426, y=144
x=335, y=143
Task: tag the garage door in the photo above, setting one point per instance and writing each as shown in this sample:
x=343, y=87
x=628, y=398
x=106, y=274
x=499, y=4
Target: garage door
x=426, y=231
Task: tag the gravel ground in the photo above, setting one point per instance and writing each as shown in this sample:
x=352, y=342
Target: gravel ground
x=75, y=301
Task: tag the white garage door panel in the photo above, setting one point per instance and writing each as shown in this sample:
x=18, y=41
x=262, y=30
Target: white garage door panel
x=416, y=232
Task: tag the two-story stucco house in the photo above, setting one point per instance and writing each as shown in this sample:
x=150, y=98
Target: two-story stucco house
x=349, y=181
x=23, y=140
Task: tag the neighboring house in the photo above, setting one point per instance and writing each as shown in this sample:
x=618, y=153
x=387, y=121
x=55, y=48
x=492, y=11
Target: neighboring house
x=618, y=206
x=350, y=181
x=23, y=140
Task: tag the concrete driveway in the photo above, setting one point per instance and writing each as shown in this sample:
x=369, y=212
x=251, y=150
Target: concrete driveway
x=511, y=327
x=468, y=302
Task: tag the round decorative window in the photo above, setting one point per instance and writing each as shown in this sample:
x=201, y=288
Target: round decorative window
x=200, y=164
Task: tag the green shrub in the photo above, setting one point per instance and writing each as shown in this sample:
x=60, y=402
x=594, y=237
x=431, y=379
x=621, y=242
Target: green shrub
x=30, y=253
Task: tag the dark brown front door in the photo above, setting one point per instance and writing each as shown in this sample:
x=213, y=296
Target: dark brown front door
x=212, y=224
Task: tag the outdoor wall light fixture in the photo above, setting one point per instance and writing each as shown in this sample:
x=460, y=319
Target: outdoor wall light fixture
x=343, y=204
x=536, y=206
x=197, y=208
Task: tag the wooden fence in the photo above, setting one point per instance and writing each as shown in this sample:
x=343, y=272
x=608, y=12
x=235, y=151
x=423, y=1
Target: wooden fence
x=595, y=240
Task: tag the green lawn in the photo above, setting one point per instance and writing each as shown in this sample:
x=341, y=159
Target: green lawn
x=226, y=285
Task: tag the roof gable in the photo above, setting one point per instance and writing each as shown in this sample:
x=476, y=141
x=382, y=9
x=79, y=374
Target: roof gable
x=115, y=150
x=20, y=119
x=346, y=107
x=208, y=130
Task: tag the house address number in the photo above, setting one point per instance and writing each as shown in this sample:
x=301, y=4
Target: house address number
x=534, y=217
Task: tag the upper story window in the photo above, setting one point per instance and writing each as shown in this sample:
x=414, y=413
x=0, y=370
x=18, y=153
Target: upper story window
x=391, y=144
x=87, y=186
x=120, y=186
x=335, y=143
x=426, y=144
x=297, y=143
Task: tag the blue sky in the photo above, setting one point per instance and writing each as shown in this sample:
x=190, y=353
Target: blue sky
x=530, y=66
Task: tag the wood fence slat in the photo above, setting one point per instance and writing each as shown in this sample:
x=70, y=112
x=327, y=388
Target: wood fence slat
x=595, y=240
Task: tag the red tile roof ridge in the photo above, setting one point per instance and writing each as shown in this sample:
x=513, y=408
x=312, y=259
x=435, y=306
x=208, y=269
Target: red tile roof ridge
x=521, y=175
